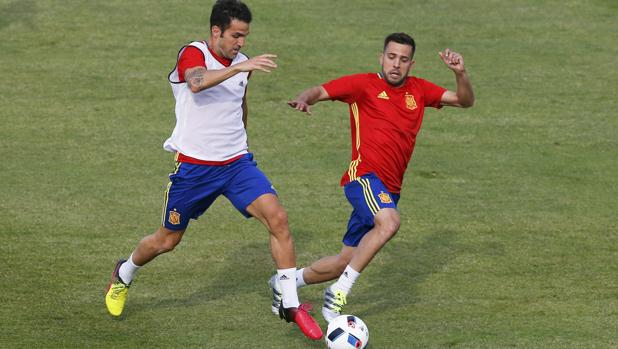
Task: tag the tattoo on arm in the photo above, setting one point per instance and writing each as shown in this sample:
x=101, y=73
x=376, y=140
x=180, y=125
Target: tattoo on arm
x=195, y=77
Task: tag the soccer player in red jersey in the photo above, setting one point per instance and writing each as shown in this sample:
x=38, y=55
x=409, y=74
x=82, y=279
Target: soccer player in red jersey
x=386, y=111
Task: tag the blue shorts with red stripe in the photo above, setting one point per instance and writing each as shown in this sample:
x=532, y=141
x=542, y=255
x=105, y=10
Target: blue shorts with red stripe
x=193, y=188
x=367, y=195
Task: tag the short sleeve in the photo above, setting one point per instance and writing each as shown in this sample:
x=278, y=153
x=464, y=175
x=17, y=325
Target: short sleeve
x=345, y=88
x=432, y=92
x=191, y=57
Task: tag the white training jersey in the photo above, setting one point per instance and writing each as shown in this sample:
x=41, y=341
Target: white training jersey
x=209, y=123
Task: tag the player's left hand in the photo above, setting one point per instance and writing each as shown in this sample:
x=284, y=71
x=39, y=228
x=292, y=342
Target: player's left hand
x=453, y=60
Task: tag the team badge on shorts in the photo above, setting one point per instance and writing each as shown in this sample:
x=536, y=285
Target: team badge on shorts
x=385, y=198
x=174, y=218
x=410, y=102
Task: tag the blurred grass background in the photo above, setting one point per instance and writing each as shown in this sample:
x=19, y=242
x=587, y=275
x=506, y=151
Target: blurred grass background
x=509, y=229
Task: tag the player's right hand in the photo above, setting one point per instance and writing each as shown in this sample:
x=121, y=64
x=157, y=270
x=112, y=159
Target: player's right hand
x=263, y=63
x=300, y=106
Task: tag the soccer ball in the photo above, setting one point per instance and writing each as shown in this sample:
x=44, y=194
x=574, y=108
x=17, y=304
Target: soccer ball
x=346, y=332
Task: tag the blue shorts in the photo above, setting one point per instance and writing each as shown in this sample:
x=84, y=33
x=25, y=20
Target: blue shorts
x=367, y=195
x=193, y=188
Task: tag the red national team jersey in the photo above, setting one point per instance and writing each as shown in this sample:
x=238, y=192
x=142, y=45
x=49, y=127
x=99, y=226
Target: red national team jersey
x=192, y=57
x=384, y=121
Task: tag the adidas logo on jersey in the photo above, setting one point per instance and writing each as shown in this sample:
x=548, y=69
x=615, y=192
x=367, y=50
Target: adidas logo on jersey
x=383, y=95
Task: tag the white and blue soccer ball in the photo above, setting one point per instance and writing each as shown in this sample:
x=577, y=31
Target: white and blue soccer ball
x=347, y=332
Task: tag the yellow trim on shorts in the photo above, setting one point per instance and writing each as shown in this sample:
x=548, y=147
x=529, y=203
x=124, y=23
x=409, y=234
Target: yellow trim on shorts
x=176, y=166
x=167, y=190
x=369, y=197
x=165, y=200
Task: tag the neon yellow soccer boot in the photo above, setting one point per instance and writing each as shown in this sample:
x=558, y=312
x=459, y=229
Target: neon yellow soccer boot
x=117, y=292
x=334, y=300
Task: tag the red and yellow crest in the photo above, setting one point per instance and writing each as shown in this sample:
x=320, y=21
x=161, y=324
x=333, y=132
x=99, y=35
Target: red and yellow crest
x=174, y=218
x=410, y=102
x=385, y=198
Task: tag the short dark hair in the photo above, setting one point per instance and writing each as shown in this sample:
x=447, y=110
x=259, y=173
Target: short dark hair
x=223, y=11
x=401, y=38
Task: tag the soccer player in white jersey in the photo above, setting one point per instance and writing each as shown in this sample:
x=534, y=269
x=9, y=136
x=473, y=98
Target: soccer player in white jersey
x=209, y=84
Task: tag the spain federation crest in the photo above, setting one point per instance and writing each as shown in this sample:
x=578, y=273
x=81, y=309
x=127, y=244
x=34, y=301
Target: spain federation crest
x=385, y=198
x=410, y=102
x=174, y=218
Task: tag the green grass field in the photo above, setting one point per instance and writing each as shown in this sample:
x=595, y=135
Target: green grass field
x=509, y=232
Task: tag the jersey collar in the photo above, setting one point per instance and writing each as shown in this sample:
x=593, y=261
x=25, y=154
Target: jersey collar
x=398, y=88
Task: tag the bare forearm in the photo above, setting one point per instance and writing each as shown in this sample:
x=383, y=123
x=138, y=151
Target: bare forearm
x=311, y=95
x=199, y=78
x=465, y=93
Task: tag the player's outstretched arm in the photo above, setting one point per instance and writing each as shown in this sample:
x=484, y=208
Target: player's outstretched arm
x=464, y=96
x=200, y=78
x=308, y=98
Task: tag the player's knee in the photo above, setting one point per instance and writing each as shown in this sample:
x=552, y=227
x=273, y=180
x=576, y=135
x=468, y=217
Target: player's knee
x=388, y=225
x=393, y=225
x=169, y=244
x=278, y=222
x=167, y=241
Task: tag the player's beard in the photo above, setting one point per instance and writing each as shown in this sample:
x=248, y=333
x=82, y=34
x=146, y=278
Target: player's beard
x=234, y=52
x=230, y=53
x=397, y=83
x=394, y=83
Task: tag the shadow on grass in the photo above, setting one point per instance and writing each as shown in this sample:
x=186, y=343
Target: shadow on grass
x=245, y=269
x=240, y=274
x=395, y=274
x=407, y=265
